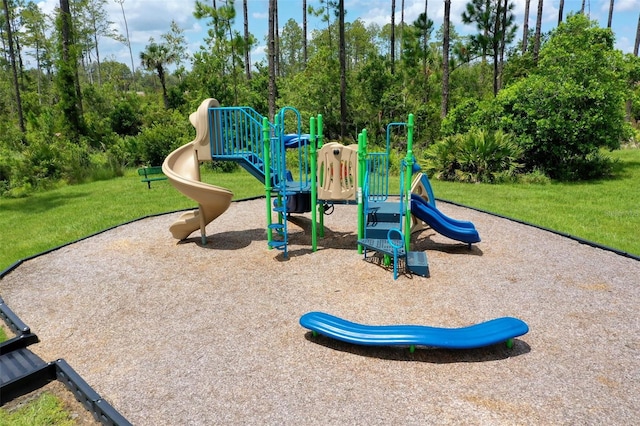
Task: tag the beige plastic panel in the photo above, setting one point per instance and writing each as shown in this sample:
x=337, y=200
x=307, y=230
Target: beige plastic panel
x=337, y=172
x=418, y=188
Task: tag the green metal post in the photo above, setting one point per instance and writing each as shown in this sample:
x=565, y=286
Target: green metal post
x=314, y=184
x=320, y=142
x=407, y=183
x=279, y=171
x=266, y=140
x=362, y=167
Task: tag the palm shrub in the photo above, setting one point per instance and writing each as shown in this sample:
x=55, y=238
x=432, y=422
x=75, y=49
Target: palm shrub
x=475, y=156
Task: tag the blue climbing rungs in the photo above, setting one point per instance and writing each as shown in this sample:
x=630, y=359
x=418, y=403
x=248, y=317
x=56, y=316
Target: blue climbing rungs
x=474, y=336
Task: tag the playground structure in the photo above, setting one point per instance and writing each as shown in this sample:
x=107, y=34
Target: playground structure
x=303, y=174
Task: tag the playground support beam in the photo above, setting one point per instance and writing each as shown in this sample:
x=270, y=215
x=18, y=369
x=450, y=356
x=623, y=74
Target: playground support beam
x=362, y=167
x=314, y=184
x=407, y=182
x=320, y=142
x=266, y=140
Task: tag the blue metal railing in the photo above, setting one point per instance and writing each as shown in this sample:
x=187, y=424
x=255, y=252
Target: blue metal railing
x=377, y=182
x=236, y=134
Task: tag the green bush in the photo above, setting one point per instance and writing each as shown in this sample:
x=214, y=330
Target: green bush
x=566, y=109
x=126, y=118
x=166, y=133
x=476, y=156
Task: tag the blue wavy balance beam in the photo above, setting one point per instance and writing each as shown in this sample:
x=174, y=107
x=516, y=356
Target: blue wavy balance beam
x=474, y=336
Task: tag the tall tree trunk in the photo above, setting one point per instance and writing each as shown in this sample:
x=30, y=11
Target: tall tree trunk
x=14, y=68
x=425, y=41
x=445, y=59
x=393, y=35
x=272, y=59
x=560, y=9
x=503, y=41
x=95, y=40
x=343, y=71
x=163, y=83
x=637, y=45
x=610, y=13
x=67, y=75
x=525, y=26
x=276, y=29
x=536, y=41
x=495, y=45
x=582, y=7
x=304, y=31
x=126, y=29
x=247, y=59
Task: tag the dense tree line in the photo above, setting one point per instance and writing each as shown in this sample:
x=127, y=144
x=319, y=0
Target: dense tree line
x=488, y=107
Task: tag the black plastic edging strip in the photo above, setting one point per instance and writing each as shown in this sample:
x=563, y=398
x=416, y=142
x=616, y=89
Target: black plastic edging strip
x=562, y=234
x=87, y=396
x=21, y=261
x=12, y=320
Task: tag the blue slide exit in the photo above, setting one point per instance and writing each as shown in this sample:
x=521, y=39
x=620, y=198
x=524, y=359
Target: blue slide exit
x=458, y=230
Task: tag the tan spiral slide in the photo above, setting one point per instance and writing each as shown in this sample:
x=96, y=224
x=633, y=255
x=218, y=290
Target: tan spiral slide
x=182, y=167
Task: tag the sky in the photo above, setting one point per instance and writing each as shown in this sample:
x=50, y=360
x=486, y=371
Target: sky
x=151, y=18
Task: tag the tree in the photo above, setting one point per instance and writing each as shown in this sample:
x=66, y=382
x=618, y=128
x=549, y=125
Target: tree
x=572, y=104
x=445, y=60
x=177, y=44
x=525, y=26
x=291, y=47
x=494, y=20
x=560, y=10
x=156, y=57
x=14, y=69
x=343, y=71
x=393, y=35
x=67, y=76
x=610, y=13
x=536, y=41
x=247, y=40
x=127, y=38
x=100, y=26
x=424, y=25
x=225, y=47
x=304, y=30
x=637, y=43
x=35, y=38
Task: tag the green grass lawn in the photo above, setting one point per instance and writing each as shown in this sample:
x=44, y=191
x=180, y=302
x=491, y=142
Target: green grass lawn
x=606, y=211
x=48, y=219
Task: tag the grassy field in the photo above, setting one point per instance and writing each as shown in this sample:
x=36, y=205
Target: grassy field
x=606, y=212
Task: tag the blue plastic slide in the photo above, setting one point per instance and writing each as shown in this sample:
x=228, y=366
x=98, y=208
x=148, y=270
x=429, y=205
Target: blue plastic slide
x=474, y=336
x=455, y=229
